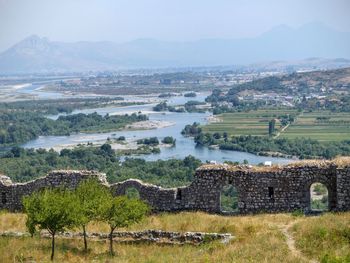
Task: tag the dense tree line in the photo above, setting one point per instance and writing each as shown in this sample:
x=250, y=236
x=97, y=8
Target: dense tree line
x=303, y=148
x=300, y=147
x=26, y=164
x=19, y=127
x=190, y=106
x=53, y=106
x=190, y=94
x=339, y=103
x=149, y=141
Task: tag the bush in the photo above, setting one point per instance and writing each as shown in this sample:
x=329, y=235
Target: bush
x=169, y=140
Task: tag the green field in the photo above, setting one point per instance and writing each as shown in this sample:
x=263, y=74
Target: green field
x=335, y=128
x=246, y=123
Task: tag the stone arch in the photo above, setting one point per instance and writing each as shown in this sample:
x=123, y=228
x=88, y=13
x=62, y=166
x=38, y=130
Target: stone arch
x=319, y=200
x=122, y=187
x=132, y=192
x=331, y=188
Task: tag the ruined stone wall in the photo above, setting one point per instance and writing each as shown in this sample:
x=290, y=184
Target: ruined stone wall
x=160, y=199
x=12, y=193
x=266, y=190
x=260, y=189
x=343, y=189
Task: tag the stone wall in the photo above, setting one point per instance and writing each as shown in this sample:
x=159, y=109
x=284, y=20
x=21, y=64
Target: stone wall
x=12, y=193
x=260, y=189
x=343, y=189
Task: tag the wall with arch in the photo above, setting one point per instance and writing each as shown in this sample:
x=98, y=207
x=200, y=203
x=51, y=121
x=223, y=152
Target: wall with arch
x=260, y=189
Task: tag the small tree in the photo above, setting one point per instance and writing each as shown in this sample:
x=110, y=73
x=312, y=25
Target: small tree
x=90, y=195
x=225, y=135
x=272, y=124
x=122, y=211
x=53, y=210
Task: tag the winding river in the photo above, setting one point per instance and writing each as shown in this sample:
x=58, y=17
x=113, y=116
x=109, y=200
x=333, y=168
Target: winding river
x=184, y=146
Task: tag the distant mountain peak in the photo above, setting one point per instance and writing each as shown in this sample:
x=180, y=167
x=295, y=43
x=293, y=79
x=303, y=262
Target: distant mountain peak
x=281, y=43
x=34, y=40
x=32, y=45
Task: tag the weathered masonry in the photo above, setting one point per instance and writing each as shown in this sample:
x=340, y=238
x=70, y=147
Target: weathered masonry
x=259, y=189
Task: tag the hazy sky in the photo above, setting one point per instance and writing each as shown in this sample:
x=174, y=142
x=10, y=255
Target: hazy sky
x=181, y=20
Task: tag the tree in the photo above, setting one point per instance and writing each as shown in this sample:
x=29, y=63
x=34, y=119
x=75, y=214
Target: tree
x=169, y=140
x=272, y=124
x=122, y=211
x=217, y=135
x=53, y=210
x=225, y=135
x=90, y=195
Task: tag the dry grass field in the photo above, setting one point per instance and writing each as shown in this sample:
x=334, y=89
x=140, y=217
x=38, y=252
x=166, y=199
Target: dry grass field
x=259, y=238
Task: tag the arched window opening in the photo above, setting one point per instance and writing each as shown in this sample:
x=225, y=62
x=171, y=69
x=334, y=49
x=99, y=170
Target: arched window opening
x=229, y=199
x=318, y=197
x=132, y=192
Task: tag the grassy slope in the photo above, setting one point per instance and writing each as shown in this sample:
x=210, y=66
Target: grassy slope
x=258, y=239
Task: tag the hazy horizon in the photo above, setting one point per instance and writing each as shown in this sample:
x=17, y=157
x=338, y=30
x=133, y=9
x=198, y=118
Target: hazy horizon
x=124, y=21
x=312, y=23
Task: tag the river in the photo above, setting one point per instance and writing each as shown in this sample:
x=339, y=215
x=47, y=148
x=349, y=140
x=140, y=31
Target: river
x=184, y=146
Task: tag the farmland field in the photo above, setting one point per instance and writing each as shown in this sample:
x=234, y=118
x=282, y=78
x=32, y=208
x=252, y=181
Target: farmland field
x=246, y=123
x=319, y=125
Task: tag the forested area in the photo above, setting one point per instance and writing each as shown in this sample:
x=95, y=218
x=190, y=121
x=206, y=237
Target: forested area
x=19, y=127
x=53, y=106
x=190, y=106
x=26, y=164
x=303, y=148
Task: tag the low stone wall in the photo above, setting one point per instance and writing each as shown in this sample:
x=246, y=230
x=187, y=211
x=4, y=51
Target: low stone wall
x=260, y=189
x=156, y=236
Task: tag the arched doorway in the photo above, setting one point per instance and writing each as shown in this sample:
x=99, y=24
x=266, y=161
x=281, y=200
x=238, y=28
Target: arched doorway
x=229, y=199
x=132, y=192
x=319, y=200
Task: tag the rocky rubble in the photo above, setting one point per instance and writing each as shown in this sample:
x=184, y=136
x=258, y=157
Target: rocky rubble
x=154, y=236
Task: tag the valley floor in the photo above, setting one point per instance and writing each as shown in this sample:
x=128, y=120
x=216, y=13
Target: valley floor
x=259, y=238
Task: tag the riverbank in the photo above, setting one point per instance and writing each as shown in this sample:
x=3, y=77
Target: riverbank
x=160, y=125
x=148, y=125
x=11, y=93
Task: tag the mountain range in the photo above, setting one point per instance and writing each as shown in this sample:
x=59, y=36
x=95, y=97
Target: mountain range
x=35, y=54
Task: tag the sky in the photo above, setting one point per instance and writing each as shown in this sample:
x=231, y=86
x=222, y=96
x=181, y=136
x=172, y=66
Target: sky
x=169, y=20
